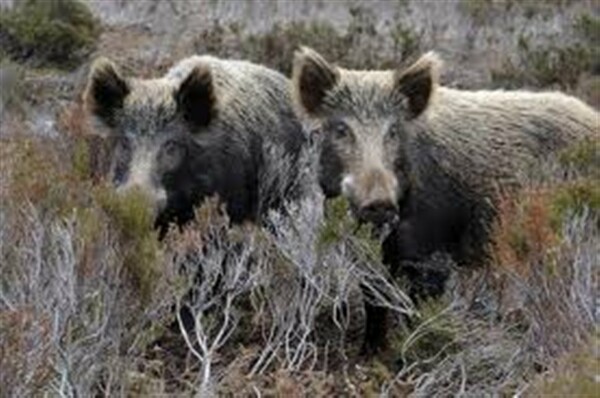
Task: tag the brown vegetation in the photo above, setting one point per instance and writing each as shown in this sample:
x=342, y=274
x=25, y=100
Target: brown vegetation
x=88, y=294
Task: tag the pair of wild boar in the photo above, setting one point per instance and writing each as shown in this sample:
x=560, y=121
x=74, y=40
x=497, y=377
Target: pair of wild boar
x=425, y=159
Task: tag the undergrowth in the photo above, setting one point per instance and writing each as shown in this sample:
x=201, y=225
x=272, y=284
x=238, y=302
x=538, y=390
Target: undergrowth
x=357, y=46
x=48, y=32
x=91, y=300
x=97, y=298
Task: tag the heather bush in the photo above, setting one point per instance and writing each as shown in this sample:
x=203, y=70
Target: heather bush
x=555, y=65
x=55, y=32
x=65, y=277
x=353, y=46
x=91, y=301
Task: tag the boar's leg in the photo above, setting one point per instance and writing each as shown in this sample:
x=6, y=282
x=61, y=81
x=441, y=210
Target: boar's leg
x=376, y=329
x=405, y=252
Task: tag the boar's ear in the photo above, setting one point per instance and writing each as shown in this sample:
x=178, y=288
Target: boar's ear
x=416, y=84
x=312, y=78
x=196, y=97
x=106, y=90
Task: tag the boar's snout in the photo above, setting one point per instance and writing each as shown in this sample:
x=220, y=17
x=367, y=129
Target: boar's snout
x=378, y=213
x=373, y=195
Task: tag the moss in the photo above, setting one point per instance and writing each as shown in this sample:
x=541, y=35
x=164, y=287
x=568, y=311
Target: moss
x=56, y=32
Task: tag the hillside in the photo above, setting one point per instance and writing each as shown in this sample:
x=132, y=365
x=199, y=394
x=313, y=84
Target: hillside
x=89, y=294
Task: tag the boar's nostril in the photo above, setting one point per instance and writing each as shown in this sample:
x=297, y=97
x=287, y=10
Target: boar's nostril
x=378, y=213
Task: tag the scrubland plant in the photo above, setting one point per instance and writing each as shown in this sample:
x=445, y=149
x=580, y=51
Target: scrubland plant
x=60, y=33
x=537, y=301
x=271, y=289
x=92, y=303
x=74, y=296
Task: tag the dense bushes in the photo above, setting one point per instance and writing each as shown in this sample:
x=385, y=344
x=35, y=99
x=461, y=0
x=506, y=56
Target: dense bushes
x=88, y=295
x=75, y=254
x=67, y=291
x=555, y=65
x=358, y=46
x=92, y=292
x=48, y=32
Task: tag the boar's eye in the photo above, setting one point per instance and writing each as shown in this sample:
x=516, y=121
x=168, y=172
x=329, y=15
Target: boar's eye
x=171, y=155
x=394, y=132
x=339, y=129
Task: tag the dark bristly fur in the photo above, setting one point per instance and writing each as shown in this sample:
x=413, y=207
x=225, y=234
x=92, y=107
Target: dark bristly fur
x=206, y=128
x=427, y=159
x=201, y=130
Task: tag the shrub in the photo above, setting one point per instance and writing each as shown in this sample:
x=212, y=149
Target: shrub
x=524, y=233
x=279, y=309
x=478, y=10
x=89, y=295
x=544, y=66
x=588, y=27
x=583, y=158
x=406, y=42
x=353, y=48
x=340, y=223
x=582, y=194
x=531, y=222
x=275, y=48
x=572, y=67
x=576, y=198
x=54, y=32
x=11, y=92
x=574, y=376
x=131, y=216
x=433, y=335
x=482, y=10
x=79, y=276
